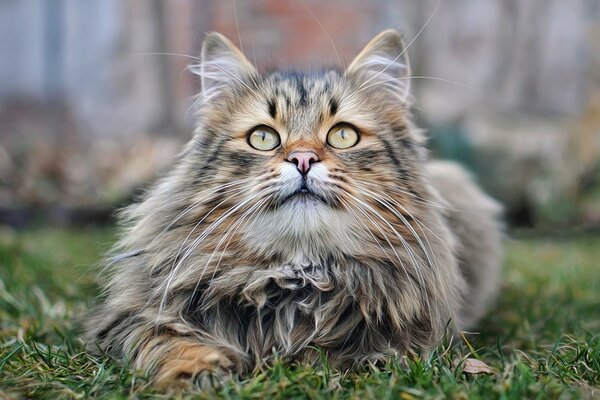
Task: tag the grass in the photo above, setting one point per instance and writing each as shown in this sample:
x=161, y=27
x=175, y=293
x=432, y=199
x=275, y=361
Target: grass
x=542, y=339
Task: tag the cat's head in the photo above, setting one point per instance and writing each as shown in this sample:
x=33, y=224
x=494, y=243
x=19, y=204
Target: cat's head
x=314, y=154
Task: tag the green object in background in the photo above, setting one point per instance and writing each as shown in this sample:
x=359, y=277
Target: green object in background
x=450, y=142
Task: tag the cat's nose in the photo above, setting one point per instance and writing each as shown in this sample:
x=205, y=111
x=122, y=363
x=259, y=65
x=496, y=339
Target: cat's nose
x=303, y=160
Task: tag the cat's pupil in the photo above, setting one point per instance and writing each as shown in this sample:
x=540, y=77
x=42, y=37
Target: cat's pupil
x=343, y=134
x=263, y=136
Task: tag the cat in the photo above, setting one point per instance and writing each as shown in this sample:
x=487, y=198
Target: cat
x=303, y=214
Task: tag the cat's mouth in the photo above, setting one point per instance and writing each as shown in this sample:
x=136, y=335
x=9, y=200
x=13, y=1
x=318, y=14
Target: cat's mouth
x=304, y=194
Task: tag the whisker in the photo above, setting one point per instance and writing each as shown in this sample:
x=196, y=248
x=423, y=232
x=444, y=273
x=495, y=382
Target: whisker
x=204, y=217
x=365, y=228
x=230, y=186
x=427, y=253
x=405, y=244
x=229, y=233
x=430, y=255
x=379, y=228
x=231, y=74
x=434, y=78
x=417, y=220
x=402, y=219
x=253, y=210
x=407, y=46
x=199, y=240
x=171, y=54
x=118, y=257
x=337, y=53
x=196, y=241
x=237, y=25
x=417, y=198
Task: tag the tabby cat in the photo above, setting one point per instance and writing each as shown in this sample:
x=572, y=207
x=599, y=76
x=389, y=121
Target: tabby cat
x=303, y=214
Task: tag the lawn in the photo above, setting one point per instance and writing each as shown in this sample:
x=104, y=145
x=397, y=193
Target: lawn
x=542, y=340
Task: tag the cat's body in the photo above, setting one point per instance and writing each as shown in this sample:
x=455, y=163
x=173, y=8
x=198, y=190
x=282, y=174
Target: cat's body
x=304, y=213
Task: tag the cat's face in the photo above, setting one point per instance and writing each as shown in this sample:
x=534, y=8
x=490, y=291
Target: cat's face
x=311, y=153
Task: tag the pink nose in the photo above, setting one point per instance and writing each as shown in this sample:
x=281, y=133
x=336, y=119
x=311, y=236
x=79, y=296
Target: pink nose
x=303, y=160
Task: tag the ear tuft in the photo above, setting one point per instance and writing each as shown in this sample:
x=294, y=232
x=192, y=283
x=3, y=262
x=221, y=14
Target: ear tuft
x=383, y=64
x=222, y=64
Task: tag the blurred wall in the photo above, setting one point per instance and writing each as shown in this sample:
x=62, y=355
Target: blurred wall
x=90, y=105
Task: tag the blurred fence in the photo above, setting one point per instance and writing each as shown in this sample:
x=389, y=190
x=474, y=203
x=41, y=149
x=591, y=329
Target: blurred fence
x=91, y=106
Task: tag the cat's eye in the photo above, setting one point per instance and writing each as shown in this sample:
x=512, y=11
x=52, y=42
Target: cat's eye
x=263, y=138
x=342, y=136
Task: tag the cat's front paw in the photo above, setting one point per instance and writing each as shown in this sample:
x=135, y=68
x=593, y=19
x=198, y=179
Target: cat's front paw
x=187, y=361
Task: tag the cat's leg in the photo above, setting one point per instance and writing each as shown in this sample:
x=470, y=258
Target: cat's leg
x=172, y=354
x=177, y=360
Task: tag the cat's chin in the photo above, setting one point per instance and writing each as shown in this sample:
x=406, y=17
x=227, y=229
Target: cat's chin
x=302, y=226
x=302, y=200
x=303, y=197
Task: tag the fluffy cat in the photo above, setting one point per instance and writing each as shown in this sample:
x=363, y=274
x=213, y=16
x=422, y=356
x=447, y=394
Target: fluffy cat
x=303, y=214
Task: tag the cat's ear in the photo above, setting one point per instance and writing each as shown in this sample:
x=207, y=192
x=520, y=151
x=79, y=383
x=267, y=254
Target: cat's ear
x=222, y=64
x=383, y=65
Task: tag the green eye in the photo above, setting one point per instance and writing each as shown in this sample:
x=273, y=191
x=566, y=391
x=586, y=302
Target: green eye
x=263, y=138
x=342, y=137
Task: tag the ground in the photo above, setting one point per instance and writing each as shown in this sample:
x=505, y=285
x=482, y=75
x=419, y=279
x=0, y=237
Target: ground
x=542, y=339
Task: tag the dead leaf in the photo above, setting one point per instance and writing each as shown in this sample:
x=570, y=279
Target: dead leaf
x=475, y=366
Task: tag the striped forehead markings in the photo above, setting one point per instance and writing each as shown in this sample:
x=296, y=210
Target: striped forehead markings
x=272, y=108
x=333, y=106
x=292, y=90
x=301, y=89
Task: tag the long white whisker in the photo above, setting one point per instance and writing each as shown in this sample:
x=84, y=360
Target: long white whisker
x=230, y=186
x=251, y=213
x=395, y=202
x=406, y=247
x=407, y=46
x=196, y=241
x=430, y=255
x=419, y=240
x=171, y=54
x=237, y=25
x=402, y=218
x=405, y=244
x=433, y=78
x=231, y=74
x=199, y=239
x=365, y=228
x=202, y=220
x=379, y=228
x=205, y=194
x=229, y=233
x=337, y=53
x=414, y=196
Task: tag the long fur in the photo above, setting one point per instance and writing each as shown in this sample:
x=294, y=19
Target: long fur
x=389, y=251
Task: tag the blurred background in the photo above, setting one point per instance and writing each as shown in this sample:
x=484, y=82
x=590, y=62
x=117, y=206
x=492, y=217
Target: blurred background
x=95, y=96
